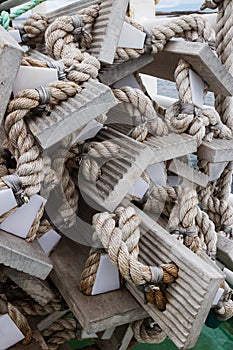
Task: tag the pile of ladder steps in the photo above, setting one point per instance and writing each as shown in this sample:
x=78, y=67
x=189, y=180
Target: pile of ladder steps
x=116, y=219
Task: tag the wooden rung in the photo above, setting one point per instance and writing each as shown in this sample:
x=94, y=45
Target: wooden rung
x=189, y=173
x=71, y=115
x=120, y=339
x=95, y=313
x=23, y=256
x=10, y=59
x=202, y=59
x=117, y=174
x=107, y=27
x=110, y=74
x=190, y=297
x=225, y=251
x=218, y=150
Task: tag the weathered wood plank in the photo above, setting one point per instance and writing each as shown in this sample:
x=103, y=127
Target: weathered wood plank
x=117, y=174
x=73, y=114
x=218, y=150
x=189, y=173
x=120, y=339
x=110, y=74
x=10, y=59
x=190, y=297
x=107, y=28
x=202, y=59
x=95, y=313
x=35, y=288
x=225, y=251
x=23, y=256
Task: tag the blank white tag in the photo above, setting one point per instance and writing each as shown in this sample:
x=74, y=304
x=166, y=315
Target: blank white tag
x=7, y=201
x=15, y=35
x=33, y=77
x=49, y=240
x=107, y=277
x=197, y=87
x=218, y=296
x=139, y=188
x=89, y=131
x=173, y=180
x=9, y=332
x=129, y=80
x=216, y=169
x=157, y=174
x=20, y=222
x=85, y=335
x=131, y=37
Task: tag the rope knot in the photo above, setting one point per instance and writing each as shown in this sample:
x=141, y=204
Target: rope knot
x=157, y=274
x=44, y=97
x=14, y=182
x=60, y=67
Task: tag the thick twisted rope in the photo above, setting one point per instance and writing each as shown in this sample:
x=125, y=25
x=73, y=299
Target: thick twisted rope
x=224, y=42
x=184, y=116
x=23, y=144
x=18, y=318
x=89, y=273
x=61, y=331
x=224, y=309
x=31, y=308
x=120, y=234
x=100, y=151
x=141, y=108
x=61, y=44
x=183, y=26
x=147, y=331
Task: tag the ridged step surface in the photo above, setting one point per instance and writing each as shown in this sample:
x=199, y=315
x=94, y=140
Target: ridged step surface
x=119, y=173
x=190, y=297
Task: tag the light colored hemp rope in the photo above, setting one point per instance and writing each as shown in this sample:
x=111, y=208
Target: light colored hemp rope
x=61, y=44
x=50, y=180
x=44, y=227
x=147, y=331
x=95, y=155
x=211, y=4
x=61, y=331
x=126, y=54
x=182, y=26
x=223, y=183
x=17, y=317
x=119, y=233
x=224, y=309
x=184, y=116
x=23, y=144
x=182, y=222
x=33, y=29
x=219, y=211
x=88, y=276
x=224, y=42
x=68, y=209
x=31, y=308
x=141, y=107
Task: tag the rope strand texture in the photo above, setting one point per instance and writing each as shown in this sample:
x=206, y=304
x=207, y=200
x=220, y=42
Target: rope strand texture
x=120, y=234
x=183, y=27
x=146, y=331
x=139, y=106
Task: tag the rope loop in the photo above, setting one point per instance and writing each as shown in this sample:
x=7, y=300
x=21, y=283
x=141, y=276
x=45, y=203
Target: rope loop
x=14, y=182
x=79, y=31
x=60, y=67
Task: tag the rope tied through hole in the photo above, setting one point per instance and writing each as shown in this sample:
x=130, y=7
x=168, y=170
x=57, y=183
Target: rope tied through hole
x=191, y=231
x=14, y=182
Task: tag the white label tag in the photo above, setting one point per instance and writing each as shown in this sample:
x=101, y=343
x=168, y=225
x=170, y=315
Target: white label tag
x=139, y=188
x=15, y=35
x=216, y=169
x=173, y=180
x=49, y=240
x=20, y=222
x=129, y=80
x=9, y=332
x=218, y=296
x=107, y=277
x=89, y=131
x=197, y=87
x=157, y=174
x=33, y=77
x=85, y=335
x=7, y=201
x=131, y=37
